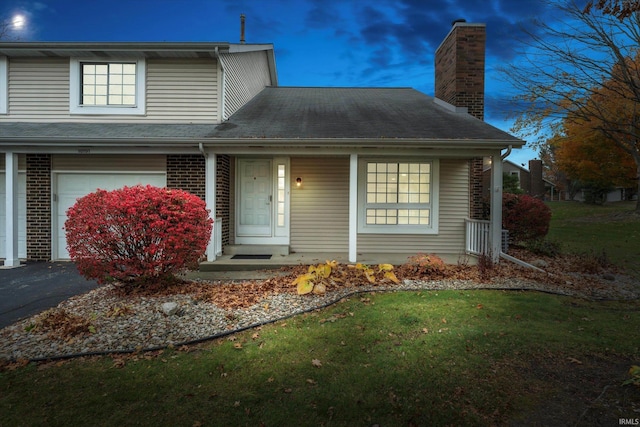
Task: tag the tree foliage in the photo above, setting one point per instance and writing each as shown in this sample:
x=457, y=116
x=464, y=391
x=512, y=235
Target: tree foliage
x=593, y=159
x=621, y=9
x=511, y=184
x=571, y=67
x=526, y=217
x=137, y=235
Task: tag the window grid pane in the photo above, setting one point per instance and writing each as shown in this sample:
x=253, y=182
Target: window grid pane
x=108, y=84
x=402, y=185
x=397, y=216
x=281, y=196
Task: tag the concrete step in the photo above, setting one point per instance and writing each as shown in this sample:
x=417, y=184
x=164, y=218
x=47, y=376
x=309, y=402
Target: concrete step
x=256, y=250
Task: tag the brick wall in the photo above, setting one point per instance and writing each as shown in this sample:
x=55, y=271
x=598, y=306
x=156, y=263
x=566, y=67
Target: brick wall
x=536, y=186
x=223, y=188
x=187, y=172
x=475, y=188
x=460, y=68
x=39, y=207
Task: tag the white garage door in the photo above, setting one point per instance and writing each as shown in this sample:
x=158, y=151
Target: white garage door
x=22, y=215
x=71, y=186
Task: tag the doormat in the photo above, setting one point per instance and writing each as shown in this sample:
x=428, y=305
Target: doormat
x=251, y=257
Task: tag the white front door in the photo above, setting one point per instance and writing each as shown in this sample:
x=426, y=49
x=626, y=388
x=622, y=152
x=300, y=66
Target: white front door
x=255, y=198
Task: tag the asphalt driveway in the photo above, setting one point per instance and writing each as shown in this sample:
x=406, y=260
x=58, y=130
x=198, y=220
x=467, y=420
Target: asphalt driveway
x=37, y=286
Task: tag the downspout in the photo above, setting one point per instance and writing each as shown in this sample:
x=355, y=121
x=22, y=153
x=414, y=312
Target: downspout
x=509, y=257
x=201, y=148
x=506, y=154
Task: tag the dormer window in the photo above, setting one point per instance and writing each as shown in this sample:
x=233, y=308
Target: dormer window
x=113, y=87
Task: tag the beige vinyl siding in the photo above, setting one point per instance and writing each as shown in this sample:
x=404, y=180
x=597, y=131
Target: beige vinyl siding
x=38, y=89
x=22, y=162
x=109, y=162
x=454, y=208
x=320, y=208
x=184, y=91
x=245, y=75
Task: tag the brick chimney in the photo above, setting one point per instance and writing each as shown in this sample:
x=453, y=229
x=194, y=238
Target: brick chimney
x=536, y=188
x=460, y=67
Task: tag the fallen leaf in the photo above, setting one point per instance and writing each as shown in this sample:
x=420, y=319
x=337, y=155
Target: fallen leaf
x=574, y=360
x=317, y=363
x=479, y=306
x=310, y=381
x=255, y=336
x=237, y=345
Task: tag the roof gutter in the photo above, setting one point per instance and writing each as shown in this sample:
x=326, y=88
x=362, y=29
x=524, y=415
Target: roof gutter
x=261, y=142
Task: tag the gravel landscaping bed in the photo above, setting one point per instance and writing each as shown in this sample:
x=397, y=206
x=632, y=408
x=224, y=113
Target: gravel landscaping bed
x=103, y=321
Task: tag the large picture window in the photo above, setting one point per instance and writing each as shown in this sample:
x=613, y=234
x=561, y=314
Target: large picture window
x=114, y=87
x=398, y=197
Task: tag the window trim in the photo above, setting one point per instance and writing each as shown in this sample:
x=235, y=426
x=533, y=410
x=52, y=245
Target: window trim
x=75, y=107
x=4, y=85
x=432, y=228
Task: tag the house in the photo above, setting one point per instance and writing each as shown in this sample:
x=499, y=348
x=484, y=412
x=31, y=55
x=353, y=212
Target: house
x=335, y=170
x=530, y=180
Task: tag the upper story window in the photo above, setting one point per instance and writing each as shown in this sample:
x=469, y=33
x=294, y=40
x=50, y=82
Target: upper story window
x=398, y=197
x=113, y=87
x=4, y=88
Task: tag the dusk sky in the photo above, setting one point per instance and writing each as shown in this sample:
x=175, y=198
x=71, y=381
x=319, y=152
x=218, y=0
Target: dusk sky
x=350, y=43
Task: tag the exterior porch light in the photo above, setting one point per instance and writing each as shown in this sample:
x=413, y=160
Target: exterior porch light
x=298, y=182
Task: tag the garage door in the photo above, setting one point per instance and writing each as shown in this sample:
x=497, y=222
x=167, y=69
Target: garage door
x=22, y=215
x=71, y=186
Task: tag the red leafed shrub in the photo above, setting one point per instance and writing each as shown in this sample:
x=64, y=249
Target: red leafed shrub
x=137, y=234
x=526, y=217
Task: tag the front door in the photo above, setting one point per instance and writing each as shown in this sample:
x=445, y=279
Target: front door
x=255, y=197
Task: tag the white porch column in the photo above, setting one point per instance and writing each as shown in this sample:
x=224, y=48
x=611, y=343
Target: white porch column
x=210, y=200
x=11, y=183
x=353, y=207
x=496, y=207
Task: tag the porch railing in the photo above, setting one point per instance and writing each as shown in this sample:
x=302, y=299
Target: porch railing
x=478, y=240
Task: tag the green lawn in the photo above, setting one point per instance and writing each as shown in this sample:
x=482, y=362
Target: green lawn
x=407, y=358
x=410, y=358
x=590, y=229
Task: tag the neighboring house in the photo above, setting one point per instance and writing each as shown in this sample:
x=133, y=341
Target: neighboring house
x=335, y=170
x=530, y=180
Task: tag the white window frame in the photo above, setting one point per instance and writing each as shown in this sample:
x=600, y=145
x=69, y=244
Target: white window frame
x=4, y=85
x=76, y=107
x=432, y=228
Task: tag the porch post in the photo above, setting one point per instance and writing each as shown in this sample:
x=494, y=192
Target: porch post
x=353, y=207
x=210, y=200
x=11, y=223
x=496, y=207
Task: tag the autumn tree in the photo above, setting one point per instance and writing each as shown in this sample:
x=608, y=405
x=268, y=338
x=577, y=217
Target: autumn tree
x=592, y=159
x=552, y=172
x=569, y=67
x=621, y=9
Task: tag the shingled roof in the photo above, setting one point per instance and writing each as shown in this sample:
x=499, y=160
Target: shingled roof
x=290, y=114
x=361, y=113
